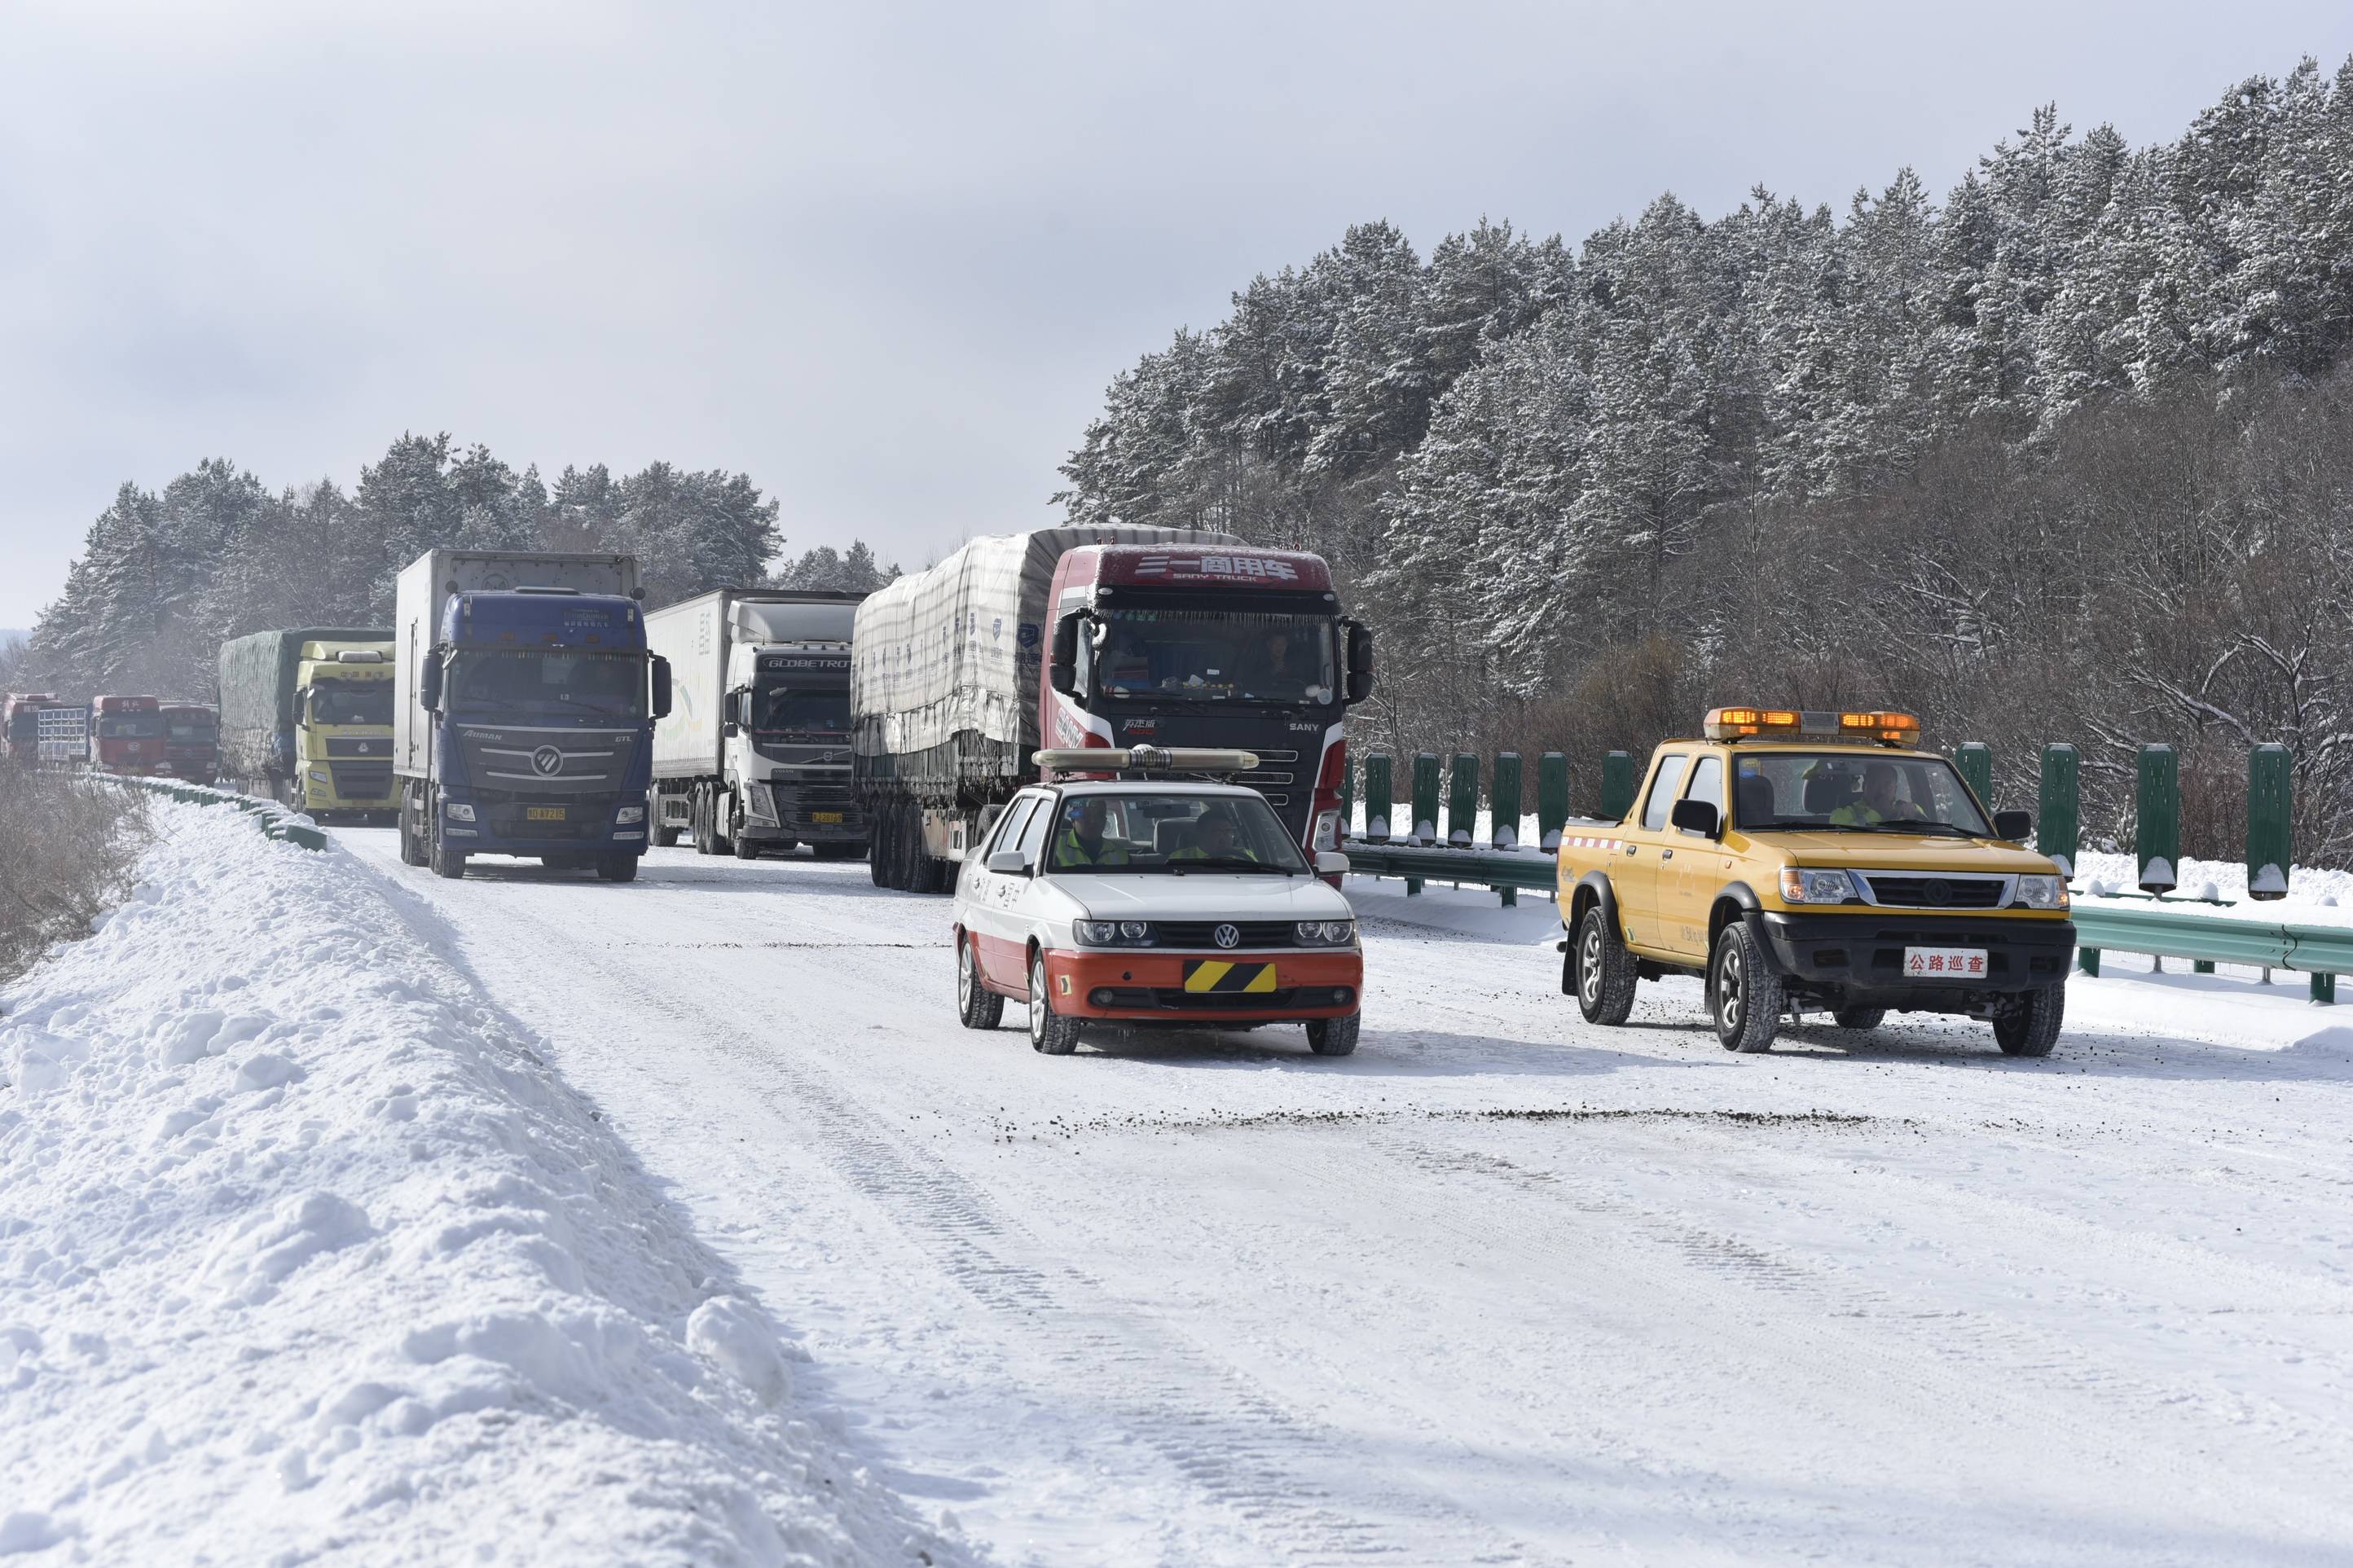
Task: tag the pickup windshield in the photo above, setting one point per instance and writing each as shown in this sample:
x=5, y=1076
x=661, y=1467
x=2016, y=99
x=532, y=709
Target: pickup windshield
x=549, y=681
x=1214, y=656
x=351, y=702
x=1856, y=793
x=1175, y=832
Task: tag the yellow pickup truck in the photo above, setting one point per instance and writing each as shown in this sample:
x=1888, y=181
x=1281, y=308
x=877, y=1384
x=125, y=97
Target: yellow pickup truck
x=1799, y=860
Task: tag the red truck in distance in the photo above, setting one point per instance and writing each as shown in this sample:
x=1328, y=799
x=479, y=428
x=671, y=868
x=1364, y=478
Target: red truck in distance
x=191, y=742
x=20, y=715
x=126, y=735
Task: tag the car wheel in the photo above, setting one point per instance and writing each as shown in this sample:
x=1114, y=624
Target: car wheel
x=1333, y=1036
x=1746, y=996
x=1604, y=971
x=976, y=1004
x=617, y=868
x=1858, y=1018
x=1051, y=1034
x=2028, y=1027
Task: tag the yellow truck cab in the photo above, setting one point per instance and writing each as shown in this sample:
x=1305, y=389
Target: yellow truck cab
x=1797, y=860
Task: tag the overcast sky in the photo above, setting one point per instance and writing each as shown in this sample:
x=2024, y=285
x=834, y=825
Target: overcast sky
x=882, y=259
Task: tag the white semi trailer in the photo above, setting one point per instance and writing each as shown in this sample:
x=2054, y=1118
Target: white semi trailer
x=755, y=755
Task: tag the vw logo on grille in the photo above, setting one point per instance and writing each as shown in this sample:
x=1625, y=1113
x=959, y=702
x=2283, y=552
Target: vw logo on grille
x=1228, y=935
x=548, y=761
x=1936, y=892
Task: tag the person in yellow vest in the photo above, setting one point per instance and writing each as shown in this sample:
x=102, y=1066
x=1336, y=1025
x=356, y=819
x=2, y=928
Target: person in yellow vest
x=1080, y=841
x=1216, y=837
x=1881, y=789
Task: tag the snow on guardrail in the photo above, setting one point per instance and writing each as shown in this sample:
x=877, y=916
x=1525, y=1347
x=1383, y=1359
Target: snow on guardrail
x=304, y=1251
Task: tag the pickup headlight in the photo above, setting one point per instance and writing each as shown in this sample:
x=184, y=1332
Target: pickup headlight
x=630, y=814
x=2043, y=892
x=1800, y=886
x=1113, y=933
x=458, y=811
x=1325, y=933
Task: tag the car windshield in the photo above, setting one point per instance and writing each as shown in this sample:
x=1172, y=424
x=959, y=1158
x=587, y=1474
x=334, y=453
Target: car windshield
x=1853, y=792
x=351, y=702
x=188, y=728
x=1214, y=656
x=129, y=726
x=1174, y=834
x=821, y=709
x=609, y=685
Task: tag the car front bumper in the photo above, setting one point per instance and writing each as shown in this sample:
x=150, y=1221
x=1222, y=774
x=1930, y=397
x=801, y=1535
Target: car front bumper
x=1862, y=953
x=1147, y=984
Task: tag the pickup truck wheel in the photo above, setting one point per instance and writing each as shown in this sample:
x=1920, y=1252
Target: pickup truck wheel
x=1333, y=1036
x=2030, y=1026
x=1605, y=971
x=1858, y=1018
x=617, y=868
x=976, y=1004
x=1050, y=1033
x=1747, y=995
x=446, y=862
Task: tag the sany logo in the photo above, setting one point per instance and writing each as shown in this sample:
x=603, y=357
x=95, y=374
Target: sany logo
x=1217, y=566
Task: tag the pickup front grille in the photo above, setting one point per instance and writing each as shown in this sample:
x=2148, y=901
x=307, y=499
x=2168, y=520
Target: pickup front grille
x=1934, y=892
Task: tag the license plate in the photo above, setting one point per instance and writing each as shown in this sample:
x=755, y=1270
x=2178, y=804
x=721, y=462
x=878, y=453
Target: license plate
x=1227, y=978
x=833, y=818
x=1944, y=963
x=542, y=814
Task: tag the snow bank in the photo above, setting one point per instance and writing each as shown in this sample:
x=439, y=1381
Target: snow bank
x=2316, y=897
x=305, y=1254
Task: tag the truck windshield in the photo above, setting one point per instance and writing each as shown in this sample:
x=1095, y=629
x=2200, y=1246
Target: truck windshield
x=1853, y=792
x=1215, y=656
x=610, y=685
x=1174, y=833
x=129, y=726
x=778, y=708
x=351, y=702
x=189, y=729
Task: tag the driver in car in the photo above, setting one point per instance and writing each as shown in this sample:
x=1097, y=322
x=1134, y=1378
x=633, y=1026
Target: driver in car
x=1881, y=794
x=1216, y=837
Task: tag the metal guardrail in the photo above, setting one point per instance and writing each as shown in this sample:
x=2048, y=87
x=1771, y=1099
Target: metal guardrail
x=269, y=815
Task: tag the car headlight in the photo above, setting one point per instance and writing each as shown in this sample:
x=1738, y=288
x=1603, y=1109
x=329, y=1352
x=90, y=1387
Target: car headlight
x=1800, y=886
x=630, y=814
x=458, y=811
x=2043, y=892
x=1113, y=933
x=1325, y=933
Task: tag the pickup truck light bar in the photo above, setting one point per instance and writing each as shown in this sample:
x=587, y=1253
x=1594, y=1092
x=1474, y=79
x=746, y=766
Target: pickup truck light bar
x=1143, y=759
x=1776, y=724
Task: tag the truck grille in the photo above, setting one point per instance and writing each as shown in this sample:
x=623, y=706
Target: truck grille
x=362, y=781
x=359, y=746
x=546, y=760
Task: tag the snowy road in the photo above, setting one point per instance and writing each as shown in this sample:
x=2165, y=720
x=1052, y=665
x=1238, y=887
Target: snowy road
x=1501, y=1288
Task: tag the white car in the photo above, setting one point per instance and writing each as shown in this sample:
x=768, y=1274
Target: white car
x=1152, y=903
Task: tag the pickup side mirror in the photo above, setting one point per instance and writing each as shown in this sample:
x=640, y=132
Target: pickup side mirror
x=661, y=687
x=428, y=682
x=1698, y=816
x=1063, y=673
x=1009, y=863
x=1360, y=661
x=2013, y=827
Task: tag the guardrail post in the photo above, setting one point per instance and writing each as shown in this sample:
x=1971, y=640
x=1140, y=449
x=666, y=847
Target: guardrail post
x=2058, y=812
x=1552, y=800
x=1380, y=795
x=1617, y=785
x=2201, y=966
x=2269, y=794
x=2087, y=959
x=1425, y=800
x=1503, y=803
x=1975, y=759
x=2324, y=989
x=2157, y=818
x=1462, y=801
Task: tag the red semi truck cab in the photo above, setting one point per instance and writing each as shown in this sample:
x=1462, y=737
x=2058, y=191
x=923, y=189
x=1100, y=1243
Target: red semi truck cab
x=1218, y=645
x=21, y=715
x=126, y=735
x=191, y=742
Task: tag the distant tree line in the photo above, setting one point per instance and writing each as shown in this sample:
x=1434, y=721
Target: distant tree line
x=2062, y=456
x=165, y=577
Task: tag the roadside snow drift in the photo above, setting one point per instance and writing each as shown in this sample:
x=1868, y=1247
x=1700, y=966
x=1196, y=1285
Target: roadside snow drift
x=305, y=1254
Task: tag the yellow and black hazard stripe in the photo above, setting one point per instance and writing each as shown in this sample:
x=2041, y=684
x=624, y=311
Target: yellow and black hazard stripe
x=1225, y=976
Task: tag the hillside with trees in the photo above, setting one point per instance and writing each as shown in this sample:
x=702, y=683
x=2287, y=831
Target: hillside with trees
x=2062, y=455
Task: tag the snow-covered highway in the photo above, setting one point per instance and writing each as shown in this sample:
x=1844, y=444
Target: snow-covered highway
x=1500, y=1286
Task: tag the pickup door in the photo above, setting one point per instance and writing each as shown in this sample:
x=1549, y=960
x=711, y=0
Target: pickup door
x=1691, y=868
x=1634, y=876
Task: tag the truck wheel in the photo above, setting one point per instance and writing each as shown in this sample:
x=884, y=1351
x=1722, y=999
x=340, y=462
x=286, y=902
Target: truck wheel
x=1746, y=993
x=1858, y=1018
x=698, y=815
x=722, y=841
x=976, y=1004
x=746, y=848
x=1333, y=1036
x=1603, y=970
x=923, y=871
x=622, y=867
x=658, y=833
x=1051, y=1034
x=446, y=862
x=878, y=857
x=2028, y=1027
x=412, y=852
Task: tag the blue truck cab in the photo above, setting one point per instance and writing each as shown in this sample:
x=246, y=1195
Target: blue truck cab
x=538, y=706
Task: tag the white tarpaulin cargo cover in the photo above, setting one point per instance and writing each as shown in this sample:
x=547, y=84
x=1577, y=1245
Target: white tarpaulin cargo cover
x=955, y=650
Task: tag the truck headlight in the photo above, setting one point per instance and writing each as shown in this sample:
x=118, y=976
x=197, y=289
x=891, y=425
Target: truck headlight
x=1325, y=933
x=1327, y=830
x=630, y=814
x=2043, y=892
x=1803, y=887
x=321, y=780
x=458, y=811
x=1113, y=933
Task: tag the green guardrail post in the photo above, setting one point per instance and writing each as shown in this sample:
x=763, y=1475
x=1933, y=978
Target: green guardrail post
x=2059, y=812
x=2269, y=796
x=1552, y=800
x=2156, y=819
x=1462, y=801
x=2201, y=966
x=1975, y=759
x=1380, y=795
x=1425, y=799
x=2324, y=989
x=1503, y=813
x=1617, y=785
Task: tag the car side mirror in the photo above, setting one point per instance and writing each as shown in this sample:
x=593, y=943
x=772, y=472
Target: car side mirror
x=1063, y=673
x=2013, y=827
x=661, y=687
x=428, y=682
x=1360, y=662
x=1009, y=863
x=1330, y=863
x=1698, y=816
